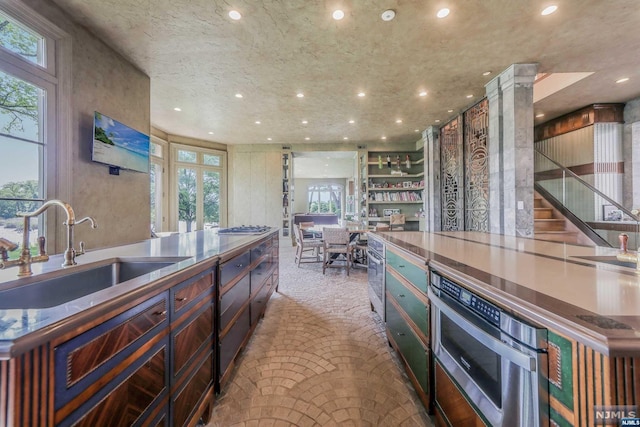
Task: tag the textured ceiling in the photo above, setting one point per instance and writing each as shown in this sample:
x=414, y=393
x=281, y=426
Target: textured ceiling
x=198, y=59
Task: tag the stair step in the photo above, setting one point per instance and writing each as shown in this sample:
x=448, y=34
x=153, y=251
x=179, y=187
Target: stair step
x=537, y=202
x=542, y=213
x=548, y=225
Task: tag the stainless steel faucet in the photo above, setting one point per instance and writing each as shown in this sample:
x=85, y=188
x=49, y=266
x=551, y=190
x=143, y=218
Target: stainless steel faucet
x=25, y=260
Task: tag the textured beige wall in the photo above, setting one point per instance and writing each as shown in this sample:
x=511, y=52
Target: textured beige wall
x=103, y=80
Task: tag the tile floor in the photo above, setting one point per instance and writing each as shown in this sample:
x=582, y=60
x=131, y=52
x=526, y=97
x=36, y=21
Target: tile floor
x=318, y=358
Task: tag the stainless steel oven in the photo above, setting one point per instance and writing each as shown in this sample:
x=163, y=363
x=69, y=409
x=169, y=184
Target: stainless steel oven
x=499, y=361
x=375, y=270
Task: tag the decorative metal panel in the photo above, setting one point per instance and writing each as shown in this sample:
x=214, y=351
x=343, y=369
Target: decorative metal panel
x=452, y=176
x=476, y=163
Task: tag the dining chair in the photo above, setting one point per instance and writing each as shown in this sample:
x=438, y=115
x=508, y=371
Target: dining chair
x=396, y=222
x=336, y=242
x=304, y=245
x=306, y=233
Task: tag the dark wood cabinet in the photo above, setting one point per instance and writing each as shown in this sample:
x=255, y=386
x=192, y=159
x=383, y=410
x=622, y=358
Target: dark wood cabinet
x=247, y=280
x=130, y=369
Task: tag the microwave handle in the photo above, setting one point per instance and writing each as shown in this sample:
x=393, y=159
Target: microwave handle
x=524, y=361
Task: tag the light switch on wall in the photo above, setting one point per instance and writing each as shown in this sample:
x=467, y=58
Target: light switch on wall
x=520, y=205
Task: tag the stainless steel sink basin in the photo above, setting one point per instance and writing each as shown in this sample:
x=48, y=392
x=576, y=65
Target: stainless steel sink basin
x=68, y=285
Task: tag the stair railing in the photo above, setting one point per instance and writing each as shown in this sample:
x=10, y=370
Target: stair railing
x=585, y=203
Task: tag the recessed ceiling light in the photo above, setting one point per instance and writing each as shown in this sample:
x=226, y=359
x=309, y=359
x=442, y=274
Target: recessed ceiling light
x=304, y=122
x=388, y=15
x=486, y=73
x=268, y=139
x=177, y=109
x=352, y=122
x=210, y=133
x=361, y=94
x=622, y=80
x=337, y=14
x=235, y=15
x=423, y=93
x=398, y=121
x=549, y=10
x=384, y=137
x=300, y=95
x=443, y=13
x=345, y=138
x=469, y=96
x=326, y=164
x=539, y=115
x=437, y=120
x=258, y=122
x=416, y=130
x=306, y=138
x=449, y=111
x=238, y=95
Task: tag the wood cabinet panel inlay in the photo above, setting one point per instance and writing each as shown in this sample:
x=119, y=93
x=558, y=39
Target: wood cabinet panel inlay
x=452, y=403
x=186, y=400
x=555, y=365
x=88, y=357
x=118, y=408
x=188, y=340
x=188, y=293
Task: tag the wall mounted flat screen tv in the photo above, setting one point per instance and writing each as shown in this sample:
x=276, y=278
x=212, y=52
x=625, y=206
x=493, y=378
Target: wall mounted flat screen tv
x=118, y=145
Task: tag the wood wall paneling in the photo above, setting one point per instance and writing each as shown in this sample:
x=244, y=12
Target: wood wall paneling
x=587, y=116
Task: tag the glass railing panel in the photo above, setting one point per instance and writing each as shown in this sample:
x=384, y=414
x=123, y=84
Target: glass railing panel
x=578, y=195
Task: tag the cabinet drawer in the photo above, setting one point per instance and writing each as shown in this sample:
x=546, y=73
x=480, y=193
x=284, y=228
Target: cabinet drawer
x=185, y=295
x=414, y=307
x=233, y=268
x=259, y=274
x=231, y=342
x=187, y=400
x=411, y=348
x=259, y=302
x=261, y=249
x=85, y=359
x=414, y=270
x=131, y=397
x=188, y=340
x=233, y=300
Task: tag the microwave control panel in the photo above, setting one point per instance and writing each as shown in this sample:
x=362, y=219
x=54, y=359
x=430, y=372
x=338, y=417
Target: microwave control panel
x=476, y=304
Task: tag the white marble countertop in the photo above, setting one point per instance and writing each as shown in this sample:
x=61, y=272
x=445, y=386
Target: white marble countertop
x=551, y=283
x=21, y=329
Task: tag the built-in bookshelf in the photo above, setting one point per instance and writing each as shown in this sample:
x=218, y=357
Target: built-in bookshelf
x=394, y=183
x=286, y=193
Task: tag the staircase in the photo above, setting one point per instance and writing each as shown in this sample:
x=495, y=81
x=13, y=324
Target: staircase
x=549, y=224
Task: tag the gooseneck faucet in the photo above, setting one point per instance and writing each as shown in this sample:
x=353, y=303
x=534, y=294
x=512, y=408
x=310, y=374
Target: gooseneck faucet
x=25, y=260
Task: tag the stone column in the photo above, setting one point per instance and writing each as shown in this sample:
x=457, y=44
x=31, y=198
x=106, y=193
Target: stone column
x=432, y=188
x=511, y=151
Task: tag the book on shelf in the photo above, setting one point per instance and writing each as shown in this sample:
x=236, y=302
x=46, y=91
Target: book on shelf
x=396, y=196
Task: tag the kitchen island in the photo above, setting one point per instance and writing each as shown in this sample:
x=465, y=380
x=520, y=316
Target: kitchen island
x=145, y=351
x=587, y=302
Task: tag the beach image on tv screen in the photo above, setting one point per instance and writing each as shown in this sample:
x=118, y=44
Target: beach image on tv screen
x=118, y=145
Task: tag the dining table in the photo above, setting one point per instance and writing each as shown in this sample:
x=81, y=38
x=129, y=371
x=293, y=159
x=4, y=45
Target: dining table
x=354, y=232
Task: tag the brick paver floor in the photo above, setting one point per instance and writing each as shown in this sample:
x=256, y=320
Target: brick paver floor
x=318, y=358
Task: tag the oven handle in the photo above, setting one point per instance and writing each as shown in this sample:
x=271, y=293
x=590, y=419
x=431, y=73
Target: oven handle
x=504, y=350
x=373, y=258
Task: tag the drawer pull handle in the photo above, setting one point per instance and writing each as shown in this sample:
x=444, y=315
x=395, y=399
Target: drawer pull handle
x=181, y=299
x=400, y=334
x=401, y=295
x=239, y=265
x=160, y=313
x=400, y=265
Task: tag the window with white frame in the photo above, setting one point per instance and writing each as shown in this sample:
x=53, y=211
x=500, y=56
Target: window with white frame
x=198, y=188
x=29, y=118
x=325, y=198
x=158, y=184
